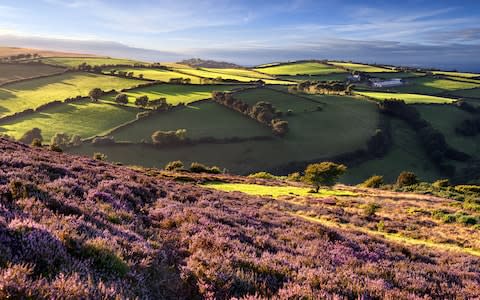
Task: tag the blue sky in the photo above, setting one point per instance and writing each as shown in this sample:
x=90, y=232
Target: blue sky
x=409, y=32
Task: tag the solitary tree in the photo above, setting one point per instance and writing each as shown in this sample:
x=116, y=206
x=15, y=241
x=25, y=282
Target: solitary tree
x=141, y=101
x=325, y=173
x=95, y=94
x=29, y=136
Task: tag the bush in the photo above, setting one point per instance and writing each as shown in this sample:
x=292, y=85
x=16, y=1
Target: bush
x=95, y=94
x=406, y=179
x=262, y=175
x=196, y=167
x=99, y=156
x=55, y=147
x=169, y=137
x=467, y=220
x=296, y=176
x=373, y=182
x=29, y=136
x=103, y=140
x=36, y=143
x=325, y=173
x=441, y=183
x=121, y=99
x=174, y=165
x=141, y=101
x=468, y=188
x=104, y=258
x=370, y=209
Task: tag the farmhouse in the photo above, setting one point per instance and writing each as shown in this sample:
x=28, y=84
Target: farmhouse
x=387, y=83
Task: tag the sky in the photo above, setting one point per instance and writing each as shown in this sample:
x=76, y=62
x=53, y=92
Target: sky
x=438, y=33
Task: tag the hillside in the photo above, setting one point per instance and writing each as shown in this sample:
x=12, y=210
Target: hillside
x=75, y=228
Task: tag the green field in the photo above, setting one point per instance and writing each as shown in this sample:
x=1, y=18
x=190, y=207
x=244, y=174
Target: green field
x=361, y=67
x=408, y=98
x=445, y=118
x=93, y=61
x=456, y=74
x=326, y=77
x=83, y=118
x=302, y=68
x=430, y=85
x=473, y=93
x=9, y=72
x=157, y=74
x=176, y=93
x=275, y=191
x=344, y=125
x=390, y=75
x=205, y=119
x=240, y=72
x=210, y=74
x=406, y=154
x=16, y=97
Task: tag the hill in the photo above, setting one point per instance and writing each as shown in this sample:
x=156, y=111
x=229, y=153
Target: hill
x=202, y=63
x=75, y=228
x=11, y=51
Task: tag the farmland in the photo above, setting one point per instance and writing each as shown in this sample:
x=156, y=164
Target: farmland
x=302, y=68
x=326, y=77
x=157, y=74
x=361, y=67
x=408, y=98
x=73, y=62
x=457, y=74
x=20, y=96
x=430, y=85
x=84, y=118
x=205, y=119
x=205, y=73
x=11, y=72
x=175, y=93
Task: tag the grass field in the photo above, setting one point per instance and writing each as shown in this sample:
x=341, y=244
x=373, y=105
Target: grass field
x=275, y=191
x=8, y=51
x=157, y=74
x=406, y=154
x=361, y=67
x=457, y=74
x=210, y=74
x=326, y=77
x=408, y=98
x=473, y=93
x=9, y=72
x=83, y=118
x=240, y=72
x=19, y=96
x=176, y=93
x=302, y=68
x=344, y=125
x=205, y=119
x=390, y=75
x=430, y=85
x=93, y=61
x=445, y=118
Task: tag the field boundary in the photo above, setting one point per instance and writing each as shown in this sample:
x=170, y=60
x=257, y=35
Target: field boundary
x=34, y=77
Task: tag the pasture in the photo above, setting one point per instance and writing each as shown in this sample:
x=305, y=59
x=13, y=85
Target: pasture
x=408, y=98
x=240, y=72
x=300, y=68
x=390, y=75
x=157, y=74
x=9, y=51
x=456, y=74
x=83, y=118
x=344, y=125
x=73, y=62
x=205, y=73
x=175, y=93
x=11, y=72
x=16, y=97
x=361, y=67
x=430, y=85
x=326, y=77
x=276, y=190
x=472, y=93
x=204, y=119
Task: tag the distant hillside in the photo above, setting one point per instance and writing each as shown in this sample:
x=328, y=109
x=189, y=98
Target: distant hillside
x=10, y=51
x=76, y=228
x=200, y=63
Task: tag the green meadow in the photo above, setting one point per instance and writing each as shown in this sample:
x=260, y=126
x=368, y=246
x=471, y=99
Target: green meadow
x=430, y=85
x=205, y=73
x=361, y=67
x=9, y=72
x=301, y=68
x=157, y=74
x=73, y=62
x=175, y=93
x=20, y=96
x=407, y=97
x=457, y=74
x=204, y=119
x=326, y=77
x=84, y=118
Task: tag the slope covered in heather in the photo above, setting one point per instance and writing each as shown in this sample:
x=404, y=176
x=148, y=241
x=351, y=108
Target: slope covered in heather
x=73, y=227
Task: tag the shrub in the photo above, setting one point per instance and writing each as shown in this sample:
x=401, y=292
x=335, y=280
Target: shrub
x=104, y=258
x=370, y=209
x=174, y=165
x=196, y=167
x=325, y=173
x=29, y=136
x=441, y=183
x=279, y=127
x=169, y=137
x=121, y=99
x=99, y=156
x=214, y=170
x=373, y=182
x=406, y=179
x=296, y=176
x=468, y=188
x=55, y=147
x=95, y=94
x=36, y=143
x=262, y=175
x=103, y=140
x=467, y=220
x=141, y=101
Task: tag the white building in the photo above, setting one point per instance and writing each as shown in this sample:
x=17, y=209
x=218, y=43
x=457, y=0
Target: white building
x=388, y=83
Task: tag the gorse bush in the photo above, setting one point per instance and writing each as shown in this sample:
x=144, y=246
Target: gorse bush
x=406, y=179
x=262, y=175
x=174, y=165
x=373, y=182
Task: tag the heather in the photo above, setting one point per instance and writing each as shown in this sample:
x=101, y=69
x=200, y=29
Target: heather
x=73, y=227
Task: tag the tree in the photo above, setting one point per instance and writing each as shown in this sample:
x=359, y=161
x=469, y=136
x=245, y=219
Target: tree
x=29, y=136
x=141, y=101
x=325, y=173
x=279, y=127
x=121, y=99
x=140, y=76
x=174, y=165
x=406, y=179
x=95, y=94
